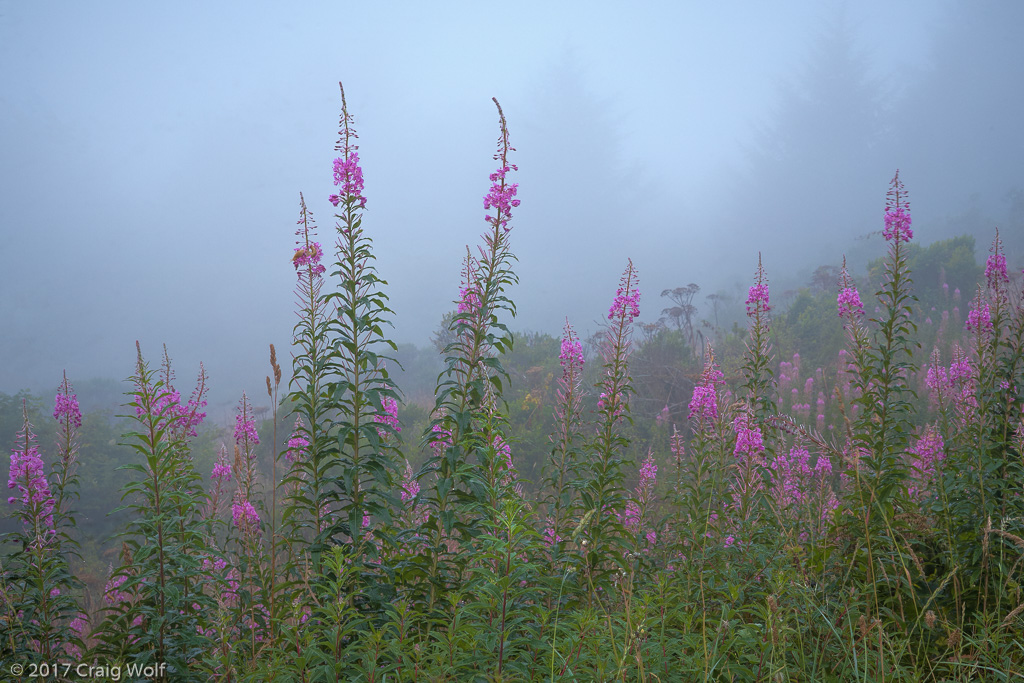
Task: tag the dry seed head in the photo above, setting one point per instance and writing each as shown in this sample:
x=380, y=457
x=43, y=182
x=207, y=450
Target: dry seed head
x=929, y=619
x=954, y=638
x=862, y=624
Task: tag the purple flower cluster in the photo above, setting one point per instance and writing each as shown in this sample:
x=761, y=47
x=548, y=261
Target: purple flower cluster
x=749, y=441
x=410, y=487
x=995, y=270
x=571, y=355
x=503, y=454
x=648, y=477
x=850, y=306
x=349, y=175
x=167, y=406
x=308, y=257
x=441, y=439
x=928, y=453
x=979, y=318
x=221, y=468
x=297, y=444
x=704, y=403
x=897, y=225
x=245, y=516
x=112, y=593
x=626, y=298
x=245, y=426
x=757, y=298
x=388, y=417
x=501, y=196
x=28, y=477
x=66, y=408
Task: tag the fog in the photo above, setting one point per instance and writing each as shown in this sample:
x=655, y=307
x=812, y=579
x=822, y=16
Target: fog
x=153, y=157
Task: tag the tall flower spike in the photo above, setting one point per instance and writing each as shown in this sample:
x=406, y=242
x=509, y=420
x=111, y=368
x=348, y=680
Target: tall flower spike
x=347, y=171
x=850, y=306
x=308, y=253
x=995, y=267
x=501, y=196
x=704, y=403
x=897, y=213
x=28, y=477
x=757, y=297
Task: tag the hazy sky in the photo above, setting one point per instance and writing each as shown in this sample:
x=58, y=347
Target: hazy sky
x=153, y=156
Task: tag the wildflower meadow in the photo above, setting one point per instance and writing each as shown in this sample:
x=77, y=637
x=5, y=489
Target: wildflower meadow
x=830, y=492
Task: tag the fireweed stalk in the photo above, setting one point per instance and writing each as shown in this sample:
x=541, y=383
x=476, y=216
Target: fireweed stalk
x=883, y=429
x=985, y=382
x=564, y=465
x=164, y=619
x=364, y=468
x=464, y=423
x=36, y=572
x=603, y=492
x=307, y=477
x=757, y=368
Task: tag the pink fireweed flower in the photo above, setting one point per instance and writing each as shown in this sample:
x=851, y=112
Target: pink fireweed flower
x=221, y=468
x=897, y=213
x=704, y=403
x=298, y=444
x=28, y=477
x=995, y=266
x=927, y=454
x=347, y=172
x=979, y=318
x=501, y=196
x=662, y=418
x=758, y=295
x=410, y=487
x=245, y=425
x=749, y=441
x=550, y=537
x=850, y=306
x=503, y=456
x=245, y=516
x=308, y=254
x=626, y=304
x=349, y=175
x=66, y=408
x=571, y=355
x=112, y=593
x=388, y=417
x=441, y=439
x=648, y=478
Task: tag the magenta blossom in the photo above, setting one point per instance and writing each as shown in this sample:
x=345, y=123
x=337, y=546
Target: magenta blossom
x=388, y=417
x=979, y=318
x=66, y=408
x=245, y=516
x=501, y=196
x=28, y=477
x=704, y=403
x=298, y=444
x=571, y=355
x=245, y=425
x=897, y=213
x=349, y=175
x=850, y=306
